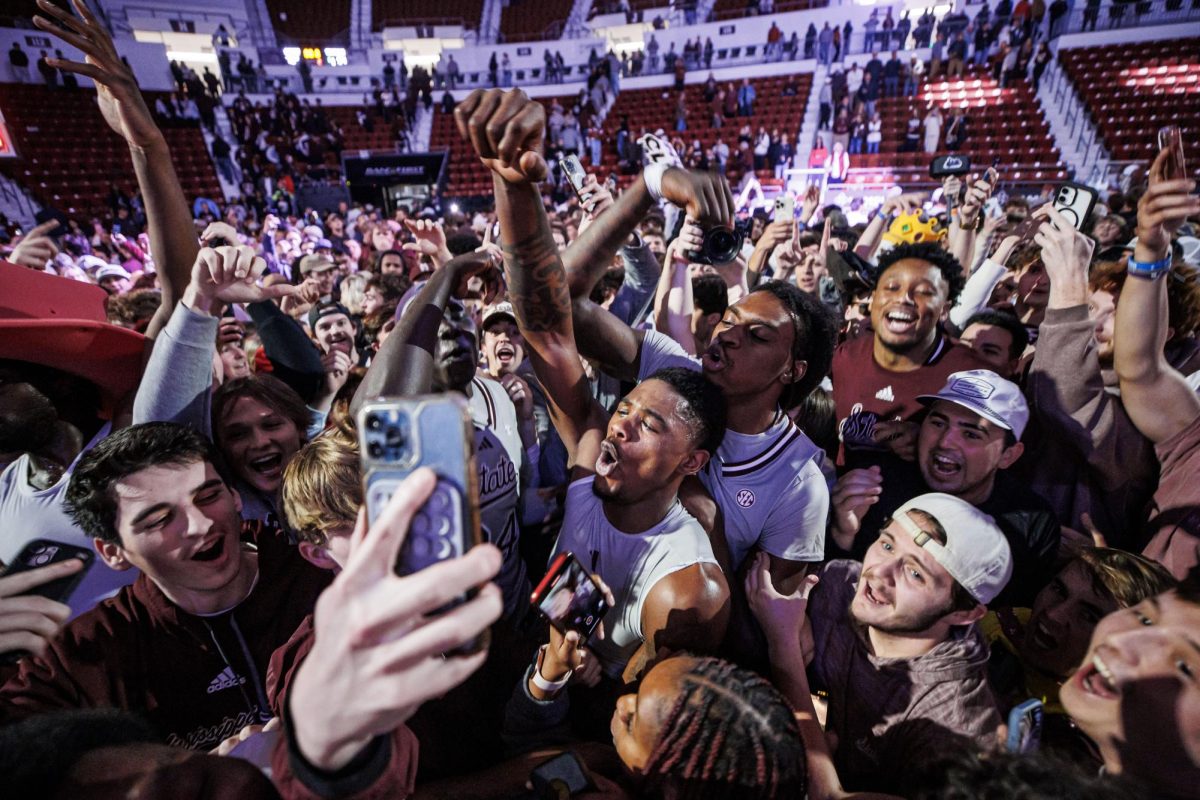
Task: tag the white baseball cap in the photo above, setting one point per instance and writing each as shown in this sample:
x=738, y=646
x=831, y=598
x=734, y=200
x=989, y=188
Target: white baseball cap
x=111, y=271
x=988, y=395
x=90, y=262
x=976, y=553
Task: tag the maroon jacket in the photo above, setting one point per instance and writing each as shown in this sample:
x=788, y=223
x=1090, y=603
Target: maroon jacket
x=197, y=680
x=387, y=770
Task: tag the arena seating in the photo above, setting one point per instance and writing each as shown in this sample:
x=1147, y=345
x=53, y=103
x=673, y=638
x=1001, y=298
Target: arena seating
x=382, y=137
x=733, y=9
x=1007, y=124
x=526, y=20
x=1132, y=90
x=70, y=158
x=386, y=13
x=648, y=109
x=311, y=23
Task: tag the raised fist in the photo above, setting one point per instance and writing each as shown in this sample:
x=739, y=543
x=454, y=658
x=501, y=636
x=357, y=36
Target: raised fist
x=507, y=130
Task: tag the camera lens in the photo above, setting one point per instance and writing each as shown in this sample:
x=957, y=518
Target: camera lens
x=373, y=422
x=721, y=245
x=375, y=449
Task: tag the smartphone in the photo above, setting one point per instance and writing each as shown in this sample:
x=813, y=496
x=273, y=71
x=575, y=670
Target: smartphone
x=1171, y=139
x=570, y=597
x=400, y=435
x=785, y=207
x=576, y=176
x=43, y=552
x=561, y=776
x=1025, y=727
x=60, y=230
x=1074, y=201
x=945, y=166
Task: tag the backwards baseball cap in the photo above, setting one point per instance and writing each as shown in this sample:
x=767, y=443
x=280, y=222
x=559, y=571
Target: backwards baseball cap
x=498, y=311
x=976, y=554
x=316, y=263
x=987, y=394
x=326, y=308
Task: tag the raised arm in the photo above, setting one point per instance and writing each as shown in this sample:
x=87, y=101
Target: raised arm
x=507, y=131
x=173, y=240
x=1157, y=398
x=404, y=364
x=600, y=335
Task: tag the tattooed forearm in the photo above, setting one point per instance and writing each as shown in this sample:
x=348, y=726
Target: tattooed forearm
x=537, y=283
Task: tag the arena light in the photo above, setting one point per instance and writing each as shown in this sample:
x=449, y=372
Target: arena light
x=454, y=208
x=192, y=56
x=336, y=56
x=291, y=55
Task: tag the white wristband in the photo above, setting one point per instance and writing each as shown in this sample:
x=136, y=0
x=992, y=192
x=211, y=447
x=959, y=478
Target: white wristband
x=653, y=175
x=542, y=683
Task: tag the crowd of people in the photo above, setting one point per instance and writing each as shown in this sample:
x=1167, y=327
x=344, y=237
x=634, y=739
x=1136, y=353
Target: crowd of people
x=852, y=493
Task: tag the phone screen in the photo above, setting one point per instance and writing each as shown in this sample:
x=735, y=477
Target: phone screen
x=570, y=597
x=1171, y=139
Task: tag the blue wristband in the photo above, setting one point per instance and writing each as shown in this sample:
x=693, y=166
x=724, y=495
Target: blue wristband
x=1148, y=269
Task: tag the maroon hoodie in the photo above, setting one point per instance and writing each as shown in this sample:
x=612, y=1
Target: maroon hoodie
x=197, y=680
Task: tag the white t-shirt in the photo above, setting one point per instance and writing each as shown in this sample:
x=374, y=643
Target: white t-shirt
x=630, y=563
x=27, y=514
x=769, y=485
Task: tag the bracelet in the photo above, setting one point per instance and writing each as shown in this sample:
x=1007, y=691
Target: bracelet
x=885, y=216
x=542, y=683
x=653, y=175
x=1148, y=269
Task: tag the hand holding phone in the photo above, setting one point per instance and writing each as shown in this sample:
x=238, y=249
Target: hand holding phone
x=575, y=602
x=576, y=175
x=399, y=436
x=33, y=591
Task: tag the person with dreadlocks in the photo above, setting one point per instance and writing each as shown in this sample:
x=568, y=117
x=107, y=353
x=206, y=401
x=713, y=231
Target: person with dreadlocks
x=696, y=727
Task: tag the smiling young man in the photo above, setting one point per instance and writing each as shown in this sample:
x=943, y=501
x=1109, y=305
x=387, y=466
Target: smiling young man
x=333, y=328
x=905, y=668
x=623, y=517
x=968, y=439
x=187, y=645
x=877, y=378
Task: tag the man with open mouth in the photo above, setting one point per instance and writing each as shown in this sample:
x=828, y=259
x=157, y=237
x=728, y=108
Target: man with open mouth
x=187, y=644
x=877, y=378
x=969, y=437
x=623, y=519
x=895, y=644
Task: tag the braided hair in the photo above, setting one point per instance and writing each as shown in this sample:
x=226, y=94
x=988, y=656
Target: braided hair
x=730, y=734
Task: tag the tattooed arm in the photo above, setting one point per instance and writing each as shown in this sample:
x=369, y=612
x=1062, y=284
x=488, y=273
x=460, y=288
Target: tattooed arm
x=506, y=129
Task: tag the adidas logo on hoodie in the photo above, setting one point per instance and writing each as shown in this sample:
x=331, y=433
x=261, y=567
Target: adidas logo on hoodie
x=226, y=680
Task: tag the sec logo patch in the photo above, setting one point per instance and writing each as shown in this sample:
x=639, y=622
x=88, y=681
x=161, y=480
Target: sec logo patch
x=745, y=498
